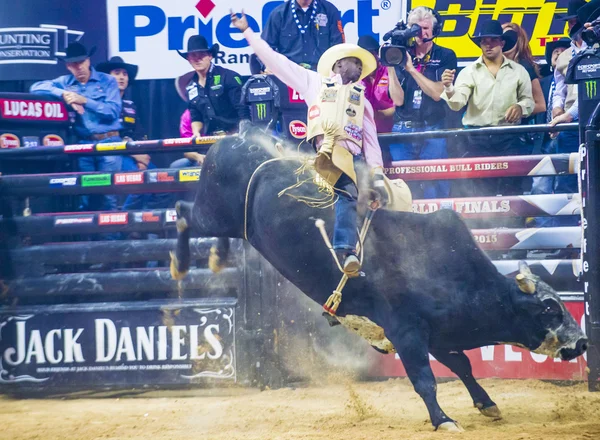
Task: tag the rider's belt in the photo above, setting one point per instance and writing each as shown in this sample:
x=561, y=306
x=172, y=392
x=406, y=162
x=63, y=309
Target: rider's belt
x=411, y=124
x=102, y=136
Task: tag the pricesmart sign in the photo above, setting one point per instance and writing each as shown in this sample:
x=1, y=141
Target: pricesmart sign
x=149, y=32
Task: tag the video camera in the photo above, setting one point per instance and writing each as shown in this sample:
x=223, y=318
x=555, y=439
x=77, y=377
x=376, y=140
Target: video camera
x=591, y=35
x=402, y=37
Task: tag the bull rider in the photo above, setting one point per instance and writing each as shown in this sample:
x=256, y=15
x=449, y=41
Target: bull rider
x=341, y=126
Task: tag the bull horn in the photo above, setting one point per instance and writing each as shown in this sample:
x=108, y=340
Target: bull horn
x=526, y=285
x=524, y=269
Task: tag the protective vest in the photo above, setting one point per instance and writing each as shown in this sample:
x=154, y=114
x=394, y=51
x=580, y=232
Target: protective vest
x=344, y=104
x=562, y=63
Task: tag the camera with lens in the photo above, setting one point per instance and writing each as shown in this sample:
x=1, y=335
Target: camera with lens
x=400, y=39
x=591, y=35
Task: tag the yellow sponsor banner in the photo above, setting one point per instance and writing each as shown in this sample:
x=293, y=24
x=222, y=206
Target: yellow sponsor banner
x=111, y=146
x=189, y=175
x=462, y=18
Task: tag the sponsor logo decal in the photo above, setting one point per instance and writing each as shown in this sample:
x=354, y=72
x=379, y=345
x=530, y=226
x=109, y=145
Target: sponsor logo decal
x=81, y=220
x=111, y=146
x=119, y=218
x=314, y=112
x=191, y=175
x=53, y=140
x=261, y=111
x=9, y=140
x=297, y=129
x=31, y=141
x=171, y=216
x=591, y=89
x=182, y=141
x=95, y=180
x=354, y=131
x=160, y=176
x=351, y=112
x=129, y=178
x=294, y=96
x=63, y=181
x=81, y=148
x=150, y=217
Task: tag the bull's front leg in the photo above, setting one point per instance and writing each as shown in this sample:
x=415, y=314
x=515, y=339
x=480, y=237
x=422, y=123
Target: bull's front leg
x=180, y=260
x=459, y=364
x=412, y=347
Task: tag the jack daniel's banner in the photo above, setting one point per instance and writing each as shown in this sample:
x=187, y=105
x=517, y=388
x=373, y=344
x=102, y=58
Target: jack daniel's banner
x=97, y=345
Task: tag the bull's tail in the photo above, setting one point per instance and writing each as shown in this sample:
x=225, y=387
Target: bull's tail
x=180, y=259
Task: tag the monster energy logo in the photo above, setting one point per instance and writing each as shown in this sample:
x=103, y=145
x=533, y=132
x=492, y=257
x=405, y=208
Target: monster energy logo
x=590, y=89
x=261, y=110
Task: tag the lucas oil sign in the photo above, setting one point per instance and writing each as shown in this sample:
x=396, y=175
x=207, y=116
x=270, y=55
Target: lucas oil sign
x=464, y=18
x=149, y=32
x=118, y=344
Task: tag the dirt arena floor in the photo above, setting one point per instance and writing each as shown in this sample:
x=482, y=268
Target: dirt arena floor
x=346, y=410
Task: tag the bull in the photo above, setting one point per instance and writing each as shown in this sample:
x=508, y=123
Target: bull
x=427, y=285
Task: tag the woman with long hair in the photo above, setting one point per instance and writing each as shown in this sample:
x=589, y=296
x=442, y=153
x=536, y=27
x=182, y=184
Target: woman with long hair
x=521, y=53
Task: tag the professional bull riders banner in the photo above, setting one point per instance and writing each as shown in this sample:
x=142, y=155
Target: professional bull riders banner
x=148, y=32
x=155, y=342
x=539, y=18
x=35, y=33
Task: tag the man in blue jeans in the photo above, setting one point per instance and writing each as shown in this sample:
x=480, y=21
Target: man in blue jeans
x=96, y=99
x=416, y=89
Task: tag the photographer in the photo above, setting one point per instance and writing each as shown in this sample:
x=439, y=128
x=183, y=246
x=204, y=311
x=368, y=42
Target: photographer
x=415, y=89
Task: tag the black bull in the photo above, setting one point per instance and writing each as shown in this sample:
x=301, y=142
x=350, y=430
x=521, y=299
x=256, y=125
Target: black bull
x=427, y=283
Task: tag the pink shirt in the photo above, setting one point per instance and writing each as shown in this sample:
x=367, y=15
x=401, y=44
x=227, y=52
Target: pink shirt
x=308, y=84
x=376, y=92
x=185, y=125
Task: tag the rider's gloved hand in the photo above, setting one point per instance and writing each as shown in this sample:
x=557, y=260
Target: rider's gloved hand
x=378, y=187
x=329, y=137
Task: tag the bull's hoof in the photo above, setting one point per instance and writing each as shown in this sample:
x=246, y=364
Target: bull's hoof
x=214, y=260
x=175, y=273
x=450, y=427
x=491, y=411
x=181, y=225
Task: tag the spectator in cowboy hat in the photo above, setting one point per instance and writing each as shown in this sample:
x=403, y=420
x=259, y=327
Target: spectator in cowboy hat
x=214, y=92
x=496, y=91
x=96, y=99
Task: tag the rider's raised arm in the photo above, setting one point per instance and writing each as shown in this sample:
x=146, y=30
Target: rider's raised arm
x=304, y=81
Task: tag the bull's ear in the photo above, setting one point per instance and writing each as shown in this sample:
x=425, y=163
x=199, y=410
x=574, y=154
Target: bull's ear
x=524, y=269
x=526, y=285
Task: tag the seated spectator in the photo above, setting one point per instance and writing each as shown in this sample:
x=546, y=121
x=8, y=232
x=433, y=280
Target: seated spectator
x=415, y=90
x=213, y=94
x=377, y=88
x=303, y=30
x=496, y=91
x=96, y=100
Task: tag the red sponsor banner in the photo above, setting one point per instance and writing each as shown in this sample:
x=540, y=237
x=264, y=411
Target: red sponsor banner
x=178, y=141
x=528, y=238
x=150, y=217
x=314, y=112
x=171, y=216
x=502, y=361
x=129, y=178
x=298, y=129
x=30, y=110
x=81, y=148
x=118, y=218
x=482, y=167
x=9, y=140
x=295, y=96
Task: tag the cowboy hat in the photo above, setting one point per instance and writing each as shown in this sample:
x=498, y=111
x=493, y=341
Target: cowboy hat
x=77, y=52
x=118, y=63
x=572, y=8
x=493, y=29
x=589, y=12
x=197, y=43
x=368, y=42
x=561, y=42
x=182, y=82
x=346, y=50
